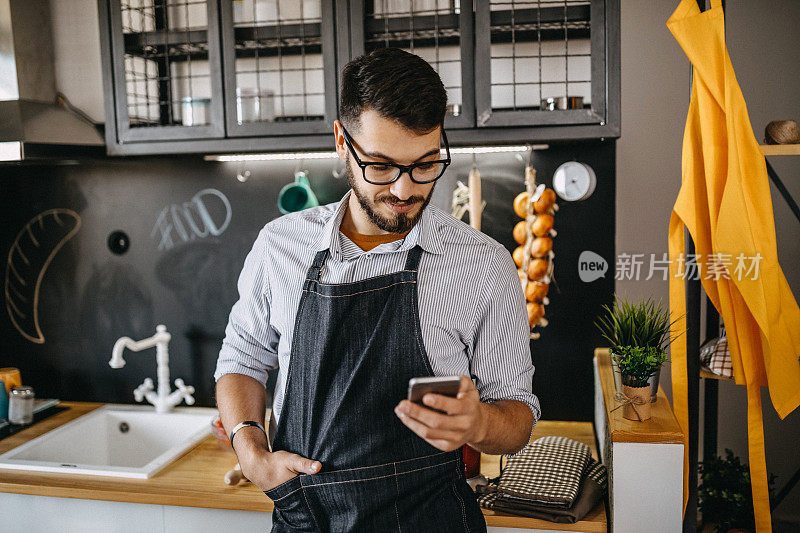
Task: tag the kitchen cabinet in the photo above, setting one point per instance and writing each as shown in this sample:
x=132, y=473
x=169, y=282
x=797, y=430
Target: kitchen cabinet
x=279, y=66
x=439, y=31
x=205, y=76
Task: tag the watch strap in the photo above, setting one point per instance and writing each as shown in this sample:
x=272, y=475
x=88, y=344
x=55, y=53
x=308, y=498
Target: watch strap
x=246, y=423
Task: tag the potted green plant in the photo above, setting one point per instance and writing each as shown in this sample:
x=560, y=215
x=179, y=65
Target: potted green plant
x=639, y=334
x=636, y=365
x=725, y=498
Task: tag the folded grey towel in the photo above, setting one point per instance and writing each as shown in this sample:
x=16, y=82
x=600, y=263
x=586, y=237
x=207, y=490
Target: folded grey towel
x=549, y=470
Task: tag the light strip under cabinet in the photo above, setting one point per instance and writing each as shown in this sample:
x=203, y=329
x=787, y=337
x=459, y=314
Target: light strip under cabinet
x=293, y=156
x=11, y=151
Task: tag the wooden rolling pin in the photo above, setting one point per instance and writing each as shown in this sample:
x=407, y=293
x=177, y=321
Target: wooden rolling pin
x=233, y=477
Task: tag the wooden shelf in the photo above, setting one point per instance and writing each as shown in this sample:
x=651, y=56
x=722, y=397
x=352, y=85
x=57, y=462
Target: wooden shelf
x=662, y=427
x=780, y=149
x=710, y=375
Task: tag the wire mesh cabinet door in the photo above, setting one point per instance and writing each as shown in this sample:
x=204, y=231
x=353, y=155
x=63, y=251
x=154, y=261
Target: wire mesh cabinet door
x=439, y=31
x=166, y=69
x=545, y=63
x=280, y=66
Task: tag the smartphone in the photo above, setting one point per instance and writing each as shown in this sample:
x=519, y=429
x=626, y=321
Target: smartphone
x=445, y=385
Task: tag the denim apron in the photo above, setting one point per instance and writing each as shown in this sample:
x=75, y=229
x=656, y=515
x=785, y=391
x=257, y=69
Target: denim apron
x=355, y=347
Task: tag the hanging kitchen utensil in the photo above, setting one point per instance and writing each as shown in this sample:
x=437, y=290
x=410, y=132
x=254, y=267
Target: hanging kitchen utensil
x=460, y=202
x=475, y=207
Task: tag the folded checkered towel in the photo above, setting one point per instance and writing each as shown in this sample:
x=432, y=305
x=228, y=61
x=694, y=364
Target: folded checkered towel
x=593, y=487
x=548, y=471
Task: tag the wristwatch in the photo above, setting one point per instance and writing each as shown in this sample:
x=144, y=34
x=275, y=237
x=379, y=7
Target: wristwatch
x=240, y=425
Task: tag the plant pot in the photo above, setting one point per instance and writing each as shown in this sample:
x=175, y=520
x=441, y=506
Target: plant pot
x=617, y=376
x=653, y=381
x=640, y=396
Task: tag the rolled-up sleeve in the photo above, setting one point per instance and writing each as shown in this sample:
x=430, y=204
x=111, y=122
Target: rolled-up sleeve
x=501, y=357
x=250, y=343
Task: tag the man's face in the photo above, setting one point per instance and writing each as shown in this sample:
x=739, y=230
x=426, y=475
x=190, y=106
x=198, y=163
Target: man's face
x=395, y=207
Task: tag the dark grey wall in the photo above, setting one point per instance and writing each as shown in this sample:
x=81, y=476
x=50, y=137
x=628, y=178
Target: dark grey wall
x=90, y=296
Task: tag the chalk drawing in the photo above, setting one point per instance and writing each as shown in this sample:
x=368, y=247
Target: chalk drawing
x=34, y=247
x=190, y=220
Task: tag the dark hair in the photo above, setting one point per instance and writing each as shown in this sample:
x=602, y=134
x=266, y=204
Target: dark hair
x=398, y=85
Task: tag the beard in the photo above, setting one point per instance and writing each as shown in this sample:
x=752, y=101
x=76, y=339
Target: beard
x=399, y=222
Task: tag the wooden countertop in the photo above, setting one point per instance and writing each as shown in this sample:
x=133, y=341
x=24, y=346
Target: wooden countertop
x=196, y=478
x=662, y=427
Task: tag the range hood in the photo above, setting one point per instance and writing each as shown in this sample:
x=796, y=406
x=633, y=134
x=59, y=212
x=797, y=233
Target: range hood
x=32, y=125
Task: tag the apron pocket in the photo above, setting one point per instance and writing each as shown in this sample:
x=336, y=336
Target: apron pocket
x=291, y=511
x=433, y=499
x=359, y=499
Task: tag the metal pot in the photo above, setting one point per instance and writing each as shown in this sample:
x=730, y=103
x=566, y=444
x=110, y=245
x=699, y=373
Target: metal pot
x=562, y=102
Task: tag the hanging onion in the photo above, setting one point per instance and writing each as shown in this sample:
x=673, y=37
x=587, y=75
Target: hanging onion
x=542, y=225
x=519, y=232
x=545, y=201
x=536, y=291
x=521, y=204
x=537, y=268
x=535, y=313
x=541, y=246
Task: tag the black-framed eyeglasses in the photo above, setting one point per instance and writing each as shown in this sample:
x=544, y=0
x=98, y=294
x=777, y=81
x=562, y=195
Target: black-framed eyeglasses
x=380, y=173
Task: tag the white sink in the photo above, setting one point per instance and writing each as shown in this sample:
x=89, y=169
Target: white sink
x=130, y=441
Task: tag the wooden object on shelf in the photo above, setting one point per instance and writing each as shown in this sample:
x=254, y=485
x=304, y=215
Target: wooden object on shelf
x=780, y=149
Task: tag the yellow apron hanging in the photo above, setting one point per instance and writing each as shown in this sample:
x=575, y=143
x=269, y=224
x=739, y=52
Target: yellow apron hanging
x=725, y=203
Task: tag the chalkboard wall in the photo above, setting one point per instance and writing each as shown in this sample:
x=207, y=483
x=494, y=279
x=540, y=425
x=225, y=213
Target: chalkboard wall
x=72, y=294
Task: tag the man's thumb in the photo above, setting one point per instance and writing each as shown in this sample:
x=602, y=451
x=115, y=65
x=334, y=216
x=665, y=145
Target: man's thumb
x=307, y=465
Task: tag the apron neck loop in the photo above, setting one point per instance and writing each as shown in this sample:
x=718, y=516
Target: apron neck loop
x=316, y=266
x=412, y=261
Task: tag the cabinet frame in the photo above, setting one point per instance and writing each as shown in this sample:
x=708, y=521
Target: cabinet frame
x=466, y=43
x=252, y=129
x=124, y=132
x=597, y=114
x=344, y=37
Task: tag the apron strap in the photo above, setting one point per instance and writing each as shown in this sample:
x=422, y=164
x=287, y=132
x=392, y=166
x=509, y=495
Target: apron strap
x=412, y=260
x=316, y=266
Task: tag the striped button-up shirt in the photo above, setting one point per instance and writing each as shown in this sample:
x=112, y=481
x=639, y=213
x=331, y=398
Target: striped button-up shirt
x=471, y=305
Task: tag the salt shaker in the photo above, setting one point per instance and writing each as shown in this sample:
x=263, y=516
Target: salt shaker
x=20, y=405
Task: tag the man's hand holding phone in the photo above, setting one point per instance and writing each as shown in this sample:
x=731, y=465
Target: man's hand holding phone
x=446, y=422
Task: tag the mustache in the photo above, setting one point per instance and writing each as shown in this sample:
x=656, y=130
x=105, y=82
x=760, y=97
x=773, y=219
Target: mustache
x=394, y=200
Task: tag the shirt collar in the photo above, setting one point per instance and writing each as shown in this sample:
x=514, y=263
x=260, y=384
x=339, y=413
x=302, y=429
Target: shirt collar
x=425, y=232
